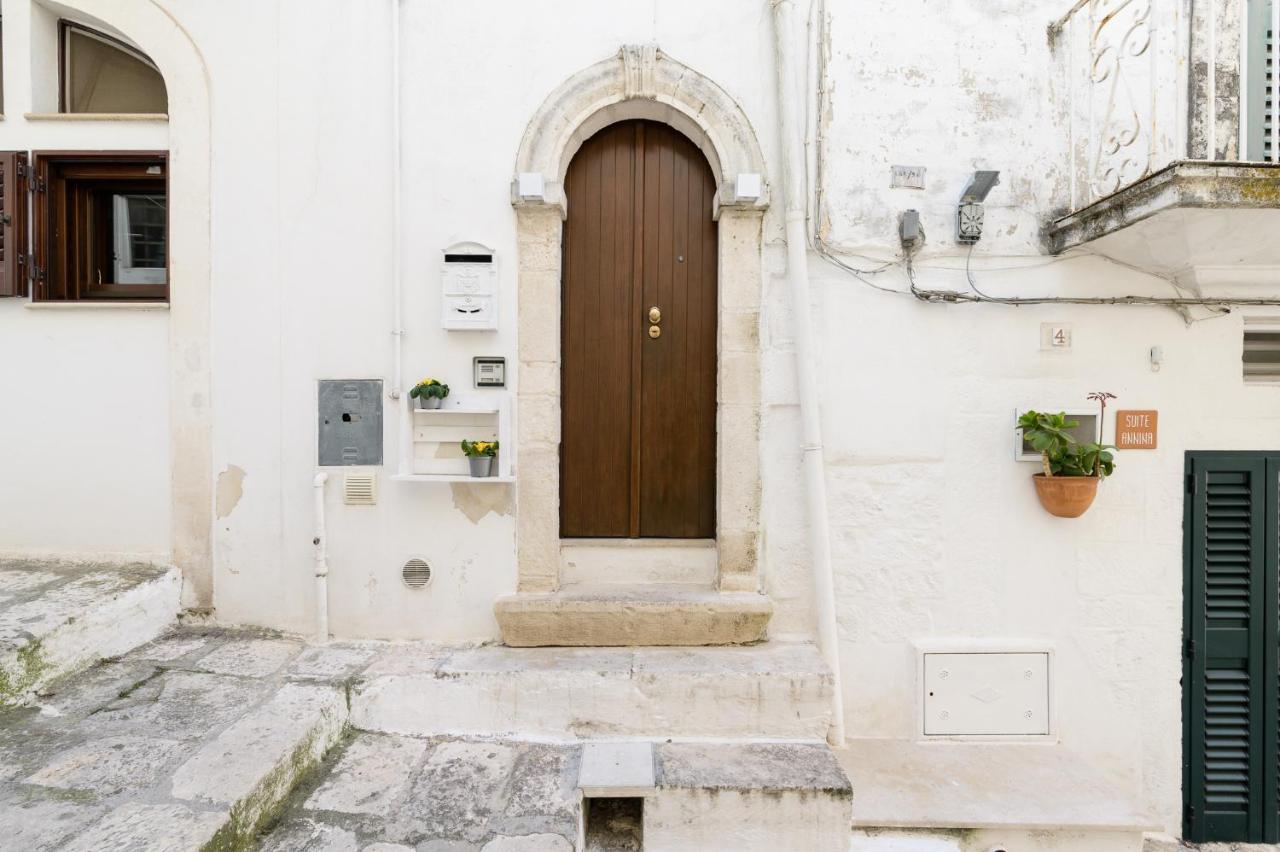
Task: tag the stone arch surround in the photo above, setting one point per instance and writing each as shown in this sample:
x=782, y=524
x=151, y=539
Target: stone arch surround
x=640, y=81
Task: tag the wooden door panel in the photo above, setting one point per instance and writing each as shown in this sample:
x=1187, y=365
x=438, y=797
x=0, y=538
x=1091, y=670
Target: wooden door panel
x=597, y=340
x=638, y=413
x=677, y=437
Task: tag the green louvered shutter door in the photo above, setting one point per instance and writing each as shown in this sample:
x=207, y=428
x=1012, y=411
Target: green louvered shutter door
x=1229, y=687
x=1271, y=643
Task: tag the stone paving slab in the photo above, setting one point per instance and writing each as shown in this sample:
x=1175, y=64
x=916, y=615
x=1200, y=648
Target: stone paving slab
x=191, y=740
x=384, y=792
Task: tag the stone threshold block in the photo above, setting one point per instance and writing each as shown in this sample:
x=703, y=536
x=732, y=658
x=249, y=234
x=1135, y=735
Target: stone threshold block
x=774, y=690
x=748, y=797
x=59, y=618
x=615, y=615
x=617, y=770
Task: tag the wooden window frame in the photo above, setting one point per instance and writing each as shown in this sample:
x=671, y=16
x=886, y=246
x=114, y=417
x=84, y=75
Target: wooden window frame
x=65, y=28
x=88, y=173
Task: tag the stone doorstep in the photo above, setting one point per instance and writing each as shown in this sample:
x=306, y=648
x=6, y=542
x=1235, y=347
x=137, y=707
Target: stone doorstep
x=774, y=690
x=628, y=616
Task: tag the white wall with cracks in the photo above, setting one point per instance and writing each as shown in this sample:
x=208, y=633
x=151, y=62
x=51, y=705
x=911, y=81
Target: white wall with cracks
x=937, y=535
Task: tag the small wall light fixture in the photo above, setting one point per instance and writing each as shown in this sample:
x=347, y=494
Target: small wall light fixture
x=530, y=185
x=969, y=214
x=748, y=187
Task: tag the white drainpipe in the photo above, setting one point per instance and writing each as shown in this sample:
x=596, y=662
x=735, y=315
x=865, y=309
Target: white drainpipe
x=793, y=157
x=404, y=437
x=397, y=285
x=322, y=561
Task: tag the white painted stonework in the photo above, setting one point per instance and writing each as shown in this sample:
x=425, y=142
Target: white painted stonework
x=186, y=434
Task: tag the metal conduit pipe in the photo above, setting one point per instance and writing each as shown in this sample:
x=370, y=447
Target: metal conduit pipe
x=791, y=130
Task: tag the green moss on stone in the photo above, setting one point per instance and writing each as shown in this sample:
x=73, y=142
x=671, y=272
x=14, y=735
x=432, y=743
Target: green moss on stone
x=29, y=669
x=260, y=807
x=1264, y=191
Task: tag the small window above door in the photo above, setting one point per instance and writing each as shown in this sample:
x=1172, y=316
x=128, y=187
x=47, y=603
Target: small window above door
x=102, y=74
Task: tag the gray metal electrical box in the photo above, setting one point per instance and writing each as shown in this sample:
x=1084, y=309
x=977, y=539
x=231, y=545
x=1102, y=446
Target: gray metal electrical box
x=350, y=422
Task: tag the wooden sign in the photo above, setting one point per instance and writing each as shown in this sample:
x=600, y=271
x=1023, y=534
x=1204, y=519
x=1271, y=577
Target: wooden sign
x=1136, y=430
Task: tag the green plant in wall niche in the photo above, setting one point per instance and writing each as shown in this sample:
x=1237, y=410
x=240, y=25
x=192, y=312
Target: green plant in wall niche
x=1070, y=469
x=1060, y=453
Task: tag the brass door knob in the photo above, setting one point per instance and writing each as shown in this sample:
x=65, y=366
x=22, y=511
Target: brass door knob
x=655, y=316
x=654, y=331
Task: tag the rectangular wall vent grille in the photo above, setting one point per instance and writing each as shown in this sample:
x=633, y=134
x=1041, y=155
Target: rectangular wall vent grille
x=360, y=489
x=1262, y=355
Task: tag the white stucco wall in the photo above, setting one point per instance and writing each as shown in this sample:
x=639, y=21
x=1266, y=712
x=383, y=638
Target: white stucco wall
x=302, y=274
x=936, y=532
x=84, y=422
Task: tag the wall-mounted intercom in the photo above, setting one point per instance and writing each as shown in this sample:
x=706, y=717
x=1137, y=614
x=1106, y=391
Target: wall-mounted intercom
x=490, y=372
x=470, y=281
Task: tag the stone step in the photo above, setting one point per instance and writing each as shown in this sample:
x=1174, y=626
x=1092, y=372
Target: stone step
x=191, y=742
x=512, y=795
x=774, y=690
x=748, y=797
x=58, y=618
x=610, y=614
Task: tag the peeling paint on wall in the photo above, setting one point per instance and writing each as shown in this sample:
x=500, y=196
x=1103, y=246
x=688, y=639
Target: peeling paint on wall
x=476, y=501
x=230, y=490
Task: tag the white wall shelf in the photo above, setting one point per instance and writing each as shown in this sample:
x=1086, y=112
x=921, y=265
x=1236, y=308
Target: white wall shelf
x=450, y=477
x=430, y=438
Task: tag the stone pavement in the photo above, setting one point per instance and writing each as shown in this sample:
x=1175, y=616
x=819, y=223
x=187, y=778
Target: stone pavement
x=221, y=739
x=382, y=792
x=188, y=742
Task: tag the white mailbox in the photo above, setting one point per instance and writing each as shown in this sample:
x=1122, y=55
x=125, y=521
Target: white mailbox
x=470, y=279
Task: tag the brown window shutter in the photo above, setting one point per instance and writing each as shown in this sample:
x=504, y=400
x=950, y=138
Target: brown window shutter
x=13, y=223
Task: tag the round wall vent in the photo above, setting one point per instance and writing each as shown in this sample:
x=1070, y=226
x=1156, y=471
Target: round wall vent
x=416, y=574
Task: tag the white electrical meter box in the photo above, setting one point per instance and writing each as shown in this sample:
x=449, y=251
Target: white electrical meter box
x=470, y=280
x=986, y=694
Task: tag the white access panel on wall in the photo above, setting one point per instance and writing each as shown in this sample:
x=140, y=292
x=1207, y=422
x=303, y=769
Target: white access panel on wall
x=986, y=694
x=469, y=278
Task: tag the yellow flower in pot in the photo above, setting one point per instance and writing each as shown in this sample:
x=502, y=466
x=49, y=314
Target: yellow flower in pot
x=429, y=393
x=482, y=455
x=1071, y=470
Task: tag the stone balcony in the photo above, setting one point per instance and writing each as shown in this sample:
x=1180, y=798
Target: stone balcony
x=1172, y=139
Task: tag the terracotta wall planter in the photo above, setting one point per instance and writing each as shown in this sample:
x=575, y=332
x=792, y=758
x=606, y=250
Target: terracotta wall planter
x=1066, y=496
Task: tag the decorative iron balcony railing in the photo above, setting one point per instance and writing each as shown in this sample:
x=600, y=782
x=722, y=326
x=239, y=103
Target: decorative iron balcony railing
x=1150, y=82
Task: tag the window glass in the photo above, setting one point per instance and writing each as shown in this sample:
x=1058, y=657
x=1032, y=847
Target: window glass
x=101, y=75
x=139, y=236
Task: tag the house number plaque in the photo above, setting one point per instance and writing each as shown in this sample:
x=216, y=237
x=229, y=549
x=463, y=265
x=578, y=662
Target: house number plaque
x=1137, y=430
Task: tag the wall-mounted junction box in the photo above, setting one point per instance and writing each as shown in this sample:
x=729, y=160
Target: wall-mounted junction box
x=995, y=693
x=350, y=422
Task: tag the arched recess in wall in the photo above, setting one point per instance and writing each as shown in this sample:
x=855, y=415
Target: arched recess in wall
x=639, y=82
x=155, y=30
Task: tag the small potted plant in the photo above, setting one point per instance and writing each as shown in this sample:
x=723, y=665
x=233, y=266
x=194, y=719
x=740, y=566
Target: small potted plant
x=1071, y=471
x=429, y=393
x=480, y=454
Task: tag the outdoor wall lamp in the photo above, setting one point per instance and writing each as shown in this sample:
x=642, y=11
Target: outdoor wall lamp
x=969, y=211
